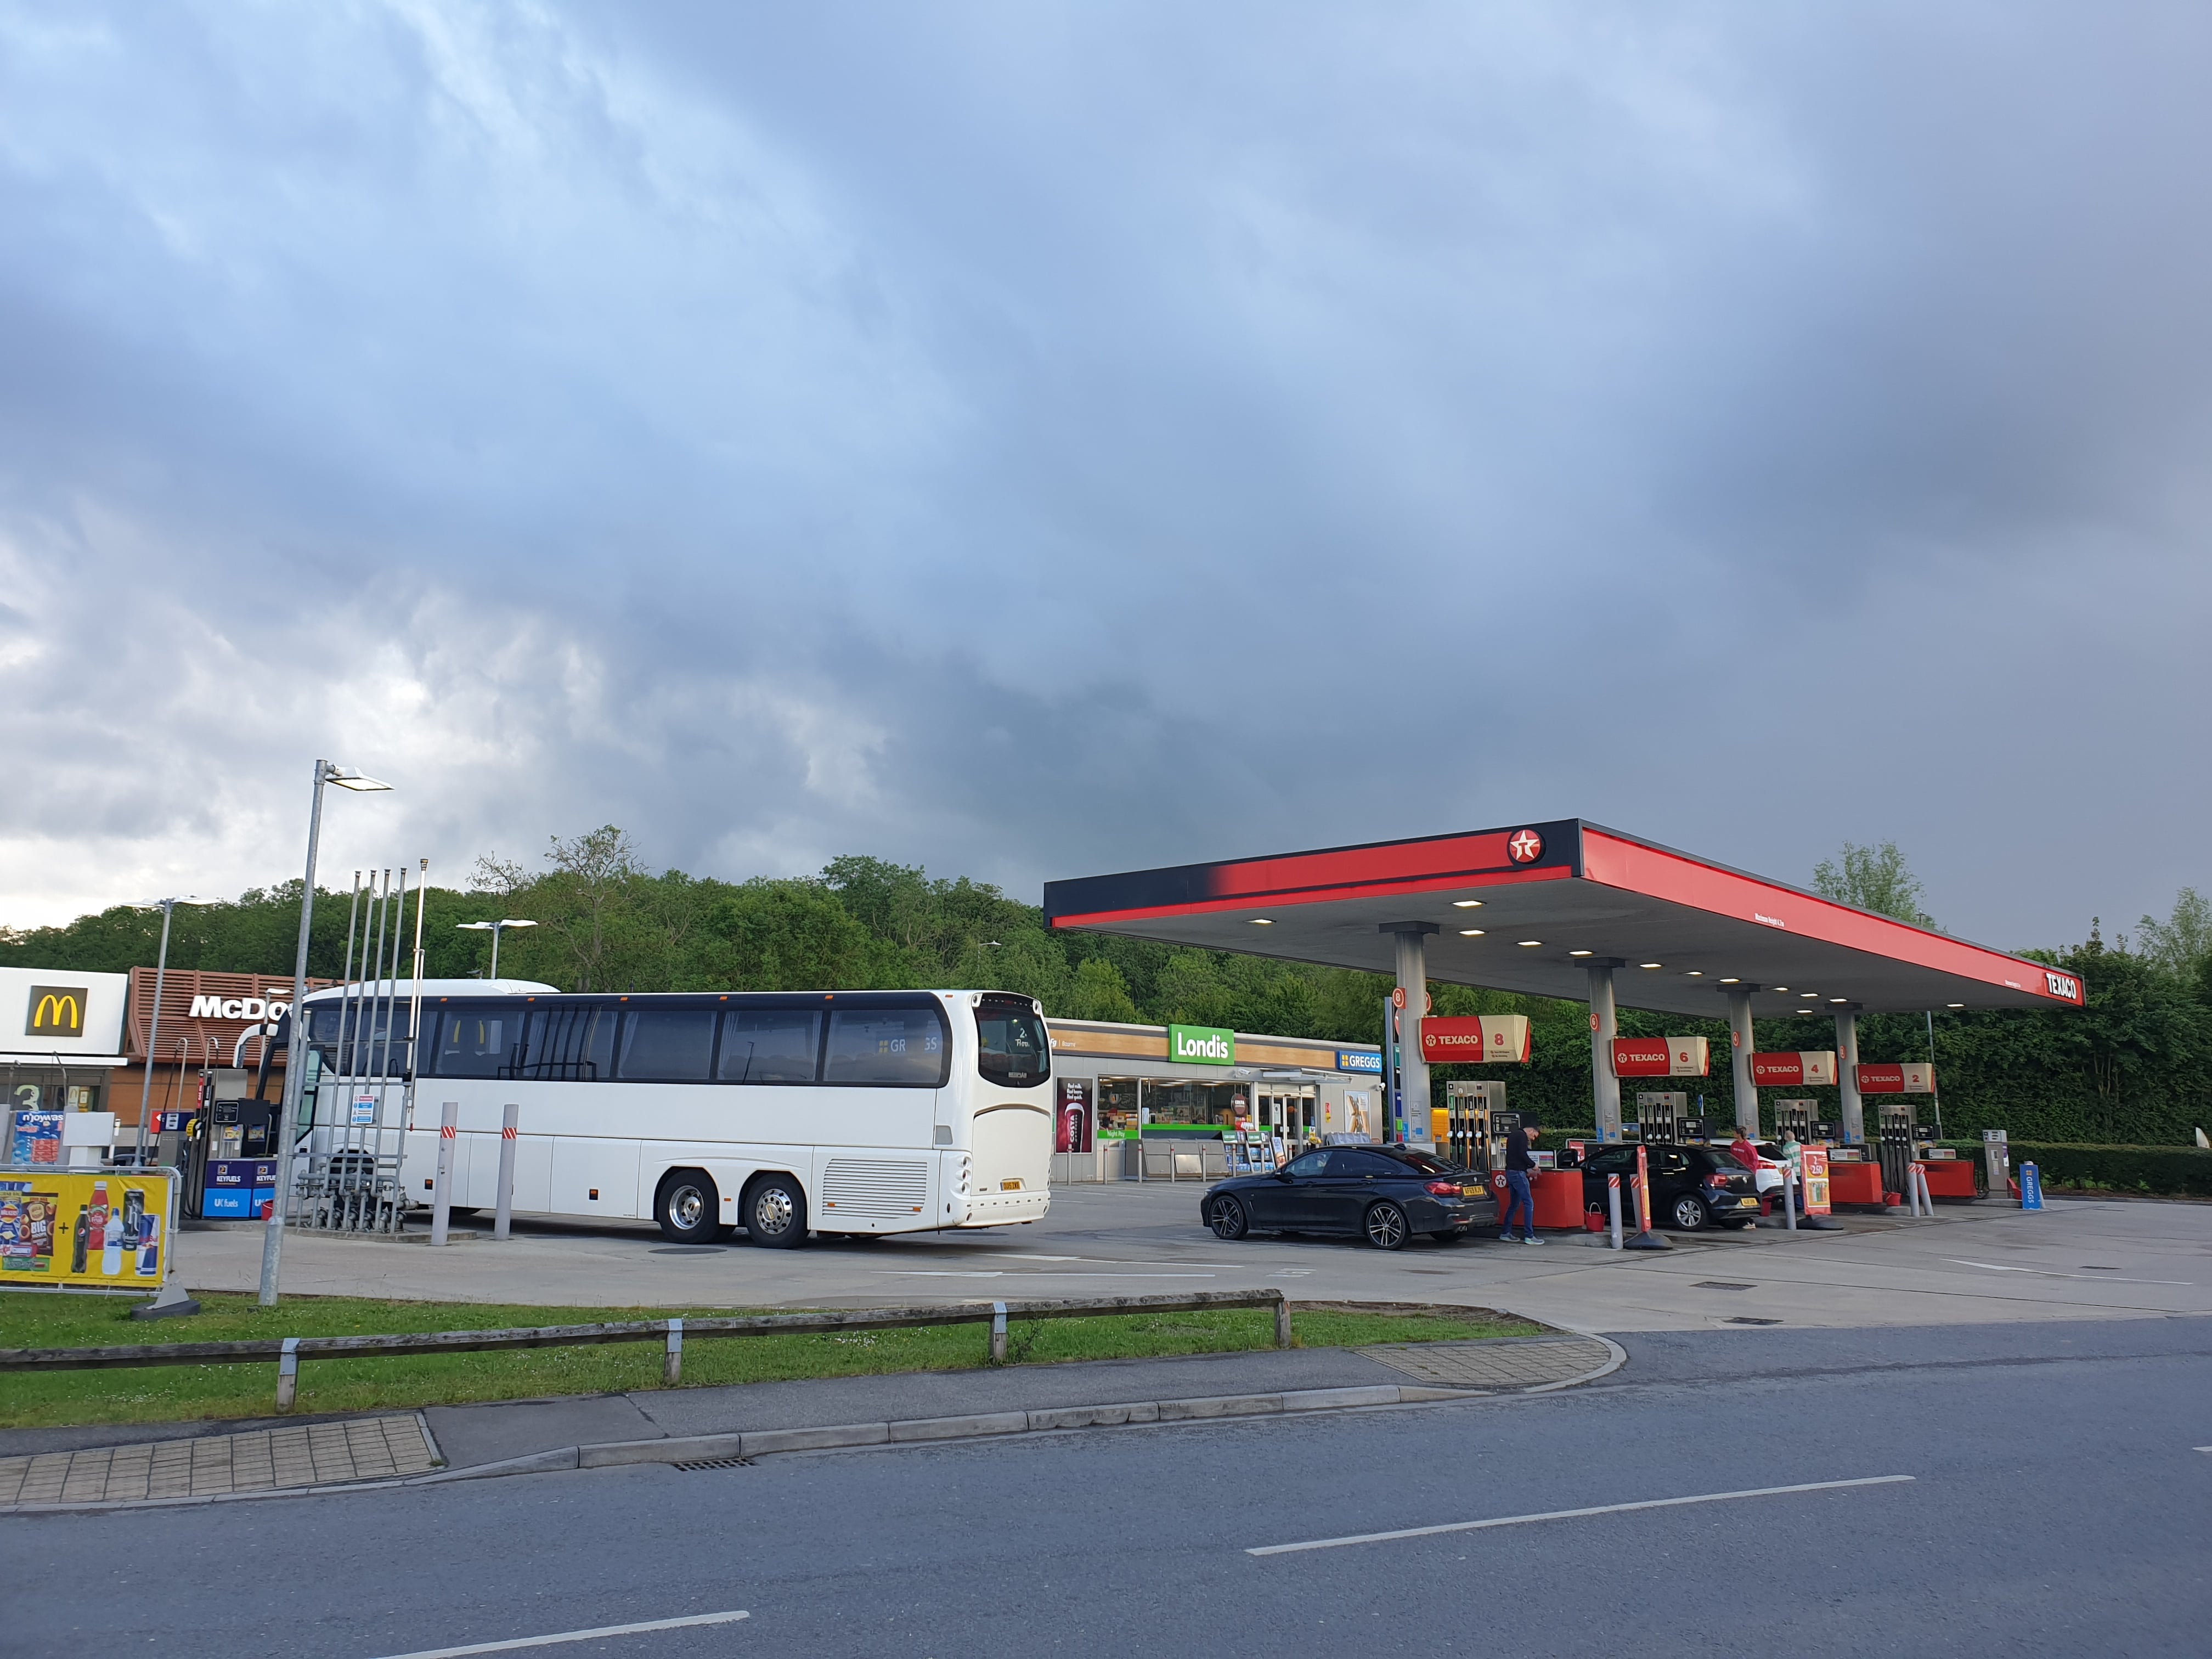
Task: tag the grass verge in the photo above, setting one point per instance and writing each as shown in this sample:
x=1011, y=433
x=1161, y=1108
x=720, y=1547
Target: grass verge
x=169, y=1393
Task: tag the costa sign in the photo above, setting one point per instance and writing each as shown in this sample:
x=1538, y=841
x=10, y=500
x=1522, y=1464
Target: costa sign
x=1807, y=1068
x=1471, y=1039
x=1905, y=1078
x=1674, y=1056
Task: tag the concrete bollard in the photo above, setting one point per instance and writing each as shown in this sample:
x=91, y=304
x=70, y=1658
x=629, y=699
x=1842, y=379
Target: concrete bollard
x=503, y=1219
x=1282, y=1322
x=287, y=1374
x=441, y=1199
x=672, y=1368
x=997, y=1333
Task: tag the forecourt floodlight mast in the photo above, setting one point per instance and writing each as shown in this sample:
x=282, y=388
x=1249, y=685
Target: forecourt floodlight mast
x=1570, y=909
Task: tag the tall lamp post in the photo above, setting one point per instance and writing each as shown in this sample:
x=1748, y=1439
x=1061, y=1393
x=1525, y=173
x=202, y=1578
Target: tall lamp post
x=495, y=928
x=272, y=1237
x=154, y=1032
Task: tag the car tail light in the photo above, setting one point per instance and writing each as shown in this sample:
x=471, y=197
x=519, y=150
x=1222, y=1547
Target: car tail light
x=1442, y=1188
x=1717, y=1178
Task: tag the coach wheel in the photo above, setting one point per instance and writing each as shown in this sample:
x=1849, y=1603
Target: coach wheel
x=688, y=1208
x=775, y=1212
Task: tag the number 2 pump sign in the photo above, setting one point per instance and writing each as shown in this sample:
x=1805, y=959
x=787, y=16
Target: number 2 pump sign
x=92, y=1227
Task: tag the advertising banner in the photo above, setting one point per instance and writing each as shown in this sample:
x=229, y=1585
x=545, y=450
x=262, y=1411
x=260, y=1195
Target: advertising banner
x=1910, y=1077
x=1201, y=1045
x=34, y=1138
x=1807, y=1069
x=1813, y=1166
x=85, y=1227
x=1673, y=1056
x=1473, y=1039
x=1071, y=1132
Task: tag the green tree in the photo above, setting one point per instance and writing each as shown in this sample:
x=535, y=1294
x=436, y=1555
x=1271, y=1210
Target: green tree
x=1873, y=879
x=2182, y=943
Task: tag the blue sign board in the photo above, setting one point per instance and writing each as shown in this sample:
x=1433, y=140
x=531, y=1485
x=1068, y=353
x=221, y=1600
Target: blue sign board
x=1348, y=1061
x=2031, y=1187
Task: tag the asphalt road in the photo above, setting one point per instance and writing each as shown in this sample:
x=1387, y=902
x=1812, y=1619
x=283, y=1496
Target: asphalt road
x=2058, y=1504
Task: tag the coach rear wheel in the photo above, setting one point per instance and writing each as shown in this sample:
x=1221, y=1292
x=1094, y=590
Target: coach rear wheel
x=776, y=1211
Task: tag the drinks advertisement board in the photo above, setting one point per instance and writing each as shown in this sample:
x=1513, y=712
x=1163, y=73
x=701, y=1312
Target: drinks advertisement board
x=85, y=1226
x=1812, y=1169
x=34, y=1138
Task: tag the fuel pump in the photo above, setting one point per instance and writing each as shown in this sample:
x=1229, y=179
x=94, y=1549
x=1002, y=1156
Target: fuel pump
x=1794, y=1117
x=1468, y=1107
x=1662, y=1118
x=1896, y=1146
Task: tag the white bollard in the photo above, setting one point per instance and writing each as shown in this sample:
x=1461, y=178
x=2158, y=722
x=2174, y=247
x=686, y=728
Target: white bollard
x=1789, y=1199
x=441, y=1197
x=1613, y=1203
x=504, y=1218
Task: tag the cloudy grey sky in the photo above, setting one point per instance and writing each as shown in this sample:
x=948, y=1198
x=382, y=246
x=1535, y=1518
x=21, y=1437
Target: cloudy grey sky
x=1034, y=440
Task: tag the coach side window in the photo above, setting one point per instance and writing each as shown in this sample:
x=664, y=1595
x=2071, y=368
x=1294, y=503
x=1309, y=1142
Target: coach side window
x=472, y=1040
x=894, y=1046
x=770, y=1045
x=667, y=1045
x=568, y=1044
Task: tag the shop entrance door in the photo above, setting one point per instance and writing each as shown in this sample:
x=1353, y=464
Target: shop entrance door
x=1289, y=1112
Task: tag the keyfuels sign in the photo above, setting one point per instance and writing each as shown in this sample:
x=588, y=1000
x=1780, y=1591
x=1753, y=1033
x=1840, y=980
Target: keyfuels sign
x=1201, y=1045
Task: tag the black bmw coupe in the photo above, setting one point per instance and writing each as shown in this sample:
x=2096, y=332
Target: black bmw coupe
x=1385, y=1195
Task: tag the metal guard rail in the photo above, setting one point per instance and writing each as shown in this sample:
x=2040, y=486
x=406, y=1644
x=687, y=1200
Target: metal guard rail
x=645, y=1330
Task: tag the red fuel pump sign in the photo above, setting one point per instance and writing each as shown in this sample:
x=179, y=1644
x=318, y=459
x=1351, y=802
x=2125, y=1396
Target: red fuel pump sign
x=1682, y=1056
x=1805, y=1069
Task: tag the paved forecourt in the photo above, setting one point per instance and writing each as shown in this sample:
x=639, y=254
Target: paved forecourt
x=1974, y=1263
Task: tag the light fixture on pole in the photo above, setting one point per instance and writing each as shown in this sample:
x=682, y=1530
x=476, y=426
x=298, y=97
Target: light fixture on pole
x=154, y=1032
x=272, y=1237
x=495, y=928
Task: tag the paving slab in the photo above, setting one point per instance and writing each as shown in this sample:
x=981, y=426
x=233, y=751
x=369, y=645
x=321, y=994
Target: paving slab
x=221, y=1466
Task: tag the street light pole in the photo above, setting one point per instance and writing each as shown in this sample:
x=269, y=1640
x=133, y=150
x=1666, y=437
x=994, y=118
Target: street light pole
x=272, y=1237
x=495, y=928
x=154, y=1032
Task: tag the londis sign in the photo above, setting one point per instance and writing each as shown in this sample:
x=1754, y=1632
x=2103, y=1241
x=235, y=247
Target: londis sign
x=1804, y=1069
x=1473, y=1039
x=1674, y=1056
x=1201, y=1045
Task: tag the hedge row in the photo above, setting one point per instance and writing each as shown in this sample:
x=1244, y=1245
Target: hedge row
x=2177, y=1169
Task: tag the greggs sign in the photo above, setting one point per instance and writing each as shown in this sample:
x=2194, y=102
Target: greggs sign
x=1908, y=1078
x=1675, y=1056
x=1471, y=1039
x=1805, y=1069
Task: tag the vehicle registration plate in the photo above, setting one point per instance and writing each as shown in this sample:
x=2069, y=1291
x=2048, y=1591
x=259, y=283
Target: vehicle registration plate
x=1470, y=1192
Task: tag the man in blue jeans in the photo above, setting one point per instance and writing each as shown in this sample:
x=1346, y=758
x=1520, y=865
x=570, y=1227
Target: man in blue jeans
x=1518, y=1164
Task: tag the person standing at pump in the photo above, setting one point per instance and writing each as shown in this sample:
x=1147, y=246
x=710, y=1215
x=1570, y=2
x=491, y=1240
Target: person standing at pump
x=1518, y=1166
x=1793, y=1162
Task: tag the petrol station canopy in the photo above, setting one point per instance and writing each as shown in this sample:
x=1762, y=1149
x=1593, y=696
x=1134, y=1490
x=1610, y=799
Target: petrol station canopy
x=1532, y=907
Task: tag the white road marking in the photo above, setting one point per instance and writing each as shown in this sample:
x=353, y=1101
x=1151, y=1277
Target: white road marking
x=995, y=1272
x=1572, y=1514
x=577, y=1636
x=2044, y=1273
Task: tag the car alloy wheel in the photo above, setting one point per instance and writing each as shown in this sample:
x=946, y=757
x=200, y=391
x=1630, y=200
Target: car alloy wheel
x=1227, y=1218
x=1386, y=1227
x=1690, y=1213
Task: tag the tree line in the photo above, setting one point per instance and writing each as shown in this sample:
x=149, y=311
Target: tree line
x=2131, y=1068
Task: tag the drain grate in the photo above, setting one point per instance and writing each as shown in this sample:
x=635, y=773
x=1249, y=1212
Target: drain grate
x=715, y=1463
x=1745, y=1319
x=1719, y=1284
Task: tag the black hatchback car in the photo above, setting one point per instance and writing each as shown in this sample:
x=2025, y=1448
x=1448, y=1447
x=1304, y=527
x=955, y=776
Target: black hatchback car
x=1385, y=1195
x=1692, y=1187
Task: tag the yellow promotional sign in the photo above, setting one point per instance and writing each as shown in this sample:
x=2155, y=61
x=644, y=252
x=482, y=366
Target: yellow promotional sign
x=1813, y=1166
x=86, y=1226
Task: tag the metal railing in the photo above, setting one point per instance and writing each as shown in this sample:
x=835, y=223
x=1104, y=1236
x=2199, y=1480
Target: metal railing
x=288, y=1351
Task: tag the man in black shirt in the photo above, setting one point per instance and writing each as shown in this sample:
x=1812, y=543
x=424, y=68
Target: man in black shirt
x=1518, y=1164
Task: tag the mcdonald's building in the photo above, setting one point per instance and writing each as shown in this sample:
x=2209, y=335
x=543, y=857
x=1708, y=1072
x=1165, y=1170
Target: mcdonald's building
x=61, y=1037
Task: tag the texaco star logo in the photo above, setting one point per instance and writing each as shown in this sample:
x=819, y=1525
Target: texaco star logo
x=1524, y=846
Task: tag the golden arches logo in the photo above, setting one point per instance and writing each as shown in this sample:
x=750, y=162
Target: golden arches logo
x=56, y=1010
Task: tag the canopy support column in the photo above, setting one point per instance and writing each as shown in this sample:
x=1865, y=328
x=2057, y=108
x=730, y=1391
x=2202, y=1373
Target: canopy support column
x=1739, y=1053
x=1853, y=1126
x=1605, y=1087
x=1412, y=1109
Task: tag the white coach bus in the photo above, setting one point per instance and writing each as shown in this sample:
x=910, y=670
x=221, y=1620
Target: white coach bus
x=858, y=1113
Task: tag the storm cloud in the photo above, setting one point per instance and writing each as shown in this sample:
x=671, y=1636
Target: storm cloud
x=1038, y=439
